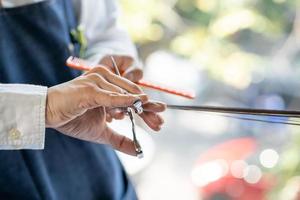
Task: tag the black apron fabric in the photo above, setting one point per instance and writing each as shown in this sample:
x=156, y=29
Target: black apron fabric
x=35, y=41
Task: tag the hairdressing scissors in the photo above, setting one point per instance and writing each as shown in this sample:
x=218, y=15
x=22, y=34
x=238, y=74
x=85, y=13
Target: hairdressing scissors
x=138, y=109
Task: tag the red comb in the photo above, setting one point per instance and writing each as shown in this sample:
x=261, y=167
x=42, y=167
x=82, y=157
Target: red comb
x=80, y=64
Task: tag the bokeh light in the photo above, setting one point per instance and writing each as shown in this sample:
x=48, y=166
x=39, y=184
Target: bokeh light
x=208, y=172
x=237, y=53
x=237, y=168
x=268, y=158
x=252, y=174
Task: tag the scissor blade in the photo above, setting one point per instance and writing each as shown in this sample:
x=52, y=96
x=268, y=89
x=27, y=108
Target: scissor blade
x=235, y=110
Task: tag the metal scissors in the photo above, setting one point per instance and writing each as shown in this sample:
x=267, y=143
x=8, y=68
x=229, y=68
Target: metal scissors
x=288, y=117
x=138, y=109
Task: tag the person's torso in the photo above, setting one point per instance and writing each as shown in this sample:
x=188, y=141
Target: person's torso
x=34, y=44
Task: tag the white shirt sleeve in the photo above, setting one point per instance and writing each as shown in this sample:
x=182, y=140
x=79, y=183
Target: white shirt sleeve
x=103, y=33
x=99, y=20
x=22, y=116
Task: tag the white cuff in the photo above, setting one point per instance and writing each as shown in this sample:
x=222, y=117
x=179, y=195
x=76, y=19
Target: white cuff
x=22, y=118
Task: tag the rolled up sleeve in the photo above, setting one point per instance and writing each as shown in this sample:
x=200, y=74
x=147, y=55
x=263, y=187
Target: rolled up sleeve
x=105, y=36
x=22, y=116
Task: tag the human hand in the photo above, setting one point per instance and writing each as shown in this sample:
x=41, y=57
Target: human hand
x=133, y=73
x=125, y=65
x=77, y=108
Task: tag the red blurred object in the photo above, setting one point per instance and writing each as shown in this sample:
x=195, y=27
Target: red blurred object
x=229, y=187
x=236, y=149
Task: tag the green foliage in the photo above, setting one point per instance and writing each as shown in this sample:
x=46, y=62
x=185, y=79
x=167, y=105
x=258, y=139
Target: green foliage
x=232, y=40
x=208, y=32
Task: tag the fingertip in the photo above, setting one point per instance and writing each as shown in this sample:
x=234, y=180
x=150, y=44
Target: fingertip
x=120, y=142
x=127, y=148
x=160, y=119
x=108, y=117
x=140, y=97
x=143, y=97
x=153, y=106
x=134, y=74
x=161, y=107
x=131, y=150
x=164, y=107
x=157, y=128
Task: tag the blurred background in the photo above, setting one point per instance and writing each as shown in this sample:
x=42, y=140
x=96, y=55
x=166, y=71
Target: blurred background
x=243, y=53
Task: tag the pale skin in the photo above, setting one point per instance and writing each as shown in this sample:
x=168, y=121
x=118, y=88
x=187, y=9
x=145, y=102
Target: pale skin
x=82, y=107
x=133, y=73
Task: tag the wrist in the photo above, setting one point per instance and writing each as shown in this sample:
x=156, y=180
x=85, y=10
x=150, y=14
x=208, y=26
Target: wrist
x=48, y=110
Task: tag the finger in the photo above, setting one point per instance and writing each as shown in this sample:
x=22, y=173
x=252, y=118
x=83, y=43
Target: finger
x=107, y=62
x=154, y=106
x=155, y=118
x=113, y=99
x=133, y=74
x=102, y=83
x=117, y=80
x=116, y=113
x=123, y=62
x=124, y=83
x=154, y=121
x=108, y=117
x=119, y=142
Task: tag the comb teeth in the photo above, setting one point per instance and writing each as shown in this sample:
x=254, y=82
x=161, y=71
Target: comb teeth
x=78, y=63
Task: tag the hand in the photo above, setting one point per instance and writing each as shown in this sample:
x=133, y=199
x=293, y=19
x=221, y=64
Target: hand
x=150, y=116
x=77, y=108
x=126, y=67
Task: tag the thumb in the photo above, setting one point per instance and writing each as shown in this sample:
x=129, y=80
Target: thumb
x=113, y=99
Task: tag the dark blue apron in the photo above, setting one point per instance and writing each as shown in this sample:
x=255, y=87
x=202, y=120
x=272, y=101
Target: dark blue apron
x=34, y=44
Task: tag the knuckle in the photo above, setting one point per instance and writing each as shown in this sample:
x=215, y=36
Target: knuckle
x=116, y=98
x=113, y=96
x=95, y=77
x=101, y=70
x=90, y=76
x=87, y=91
x=109, y=98
x=89, y=88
